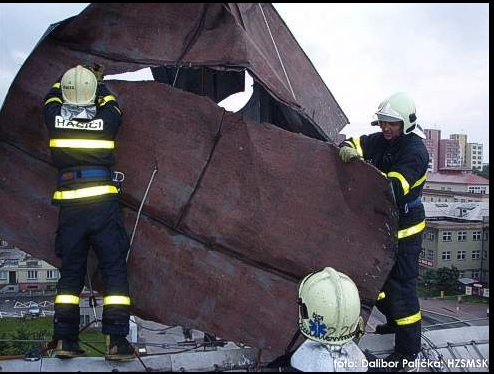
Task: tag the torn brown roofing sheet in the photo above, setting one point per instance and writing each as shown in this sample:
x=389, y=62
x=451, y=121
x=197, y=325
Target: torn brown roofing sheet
x=237, y=213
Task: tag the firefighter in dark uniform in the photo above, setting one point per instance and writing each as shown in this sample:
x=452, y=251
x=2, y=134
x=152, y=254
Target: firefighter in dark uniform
x=83, y=118
x=399, y=152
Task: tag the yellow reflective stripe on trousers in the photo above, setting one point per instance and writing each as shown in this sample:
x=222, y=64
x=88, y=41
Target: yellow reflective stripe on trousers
x=381, y=296
x=84, y=192
x=82, y=143
x=67, y=299
x=409, y=320
x=56, y=85
x=116, y=300
x=415, y=229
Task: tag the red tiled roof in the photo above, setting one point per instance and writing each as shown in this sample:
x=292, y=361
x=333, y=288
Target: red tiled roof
x=460, y=178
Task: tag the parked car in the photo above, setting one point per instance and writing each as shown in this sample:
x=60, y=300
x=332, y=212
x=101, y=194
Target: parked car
x=34, y=310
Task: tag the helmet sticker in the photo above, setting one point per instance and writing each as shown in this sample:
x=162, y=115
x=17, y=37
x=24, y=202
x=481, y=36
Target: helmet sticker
x=317, y=327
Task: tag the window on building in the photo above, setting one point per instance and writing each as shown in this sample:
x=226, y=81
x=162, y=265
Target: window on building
x=462, y=236
x=446, y=236
x=446, y=256
x=484, y=255
x=11, y=262
x=476, y=235
x=477, y=189
x=476, y=274
x=460, y=255
x=476, y=254
x=51, y=274
x=430, y=254
x=422, y=253
x=32, y=274
x=3, y=275
x=32, y=263
x=430, y=235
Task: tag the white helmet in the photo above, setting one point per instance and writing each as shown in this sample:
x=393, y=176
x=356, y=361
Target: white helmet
x=399, y=107
x=329, y=307
x=79, y=86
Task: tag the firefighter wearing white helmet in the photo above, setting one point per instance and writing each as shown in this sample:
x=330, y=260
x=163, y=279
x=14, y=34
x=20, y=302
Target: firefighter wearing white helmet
x=329, y=316
x=399, y=152
x=400, y=107
x=79, y=86
x=83, y=118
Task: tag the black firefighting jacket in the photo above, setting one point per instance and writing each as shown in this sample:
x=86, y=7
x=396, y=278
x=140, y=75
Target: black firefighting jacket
x=404, y=161
x=83, y=150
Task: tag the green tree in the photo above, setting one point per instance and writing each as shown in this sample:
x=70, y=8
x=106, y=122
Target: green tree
x=484, y=172
x=428, y=282
x=22, y=340
x=447, y=279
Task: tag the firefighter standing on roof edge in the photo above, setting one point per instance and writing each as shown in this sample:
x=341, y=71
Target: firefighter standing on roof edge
x=83, y=118
x=399, y=152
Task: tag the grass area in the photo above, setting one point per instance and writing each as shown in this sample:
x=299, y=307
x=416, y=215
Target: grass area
x=423, y=292
x=468, y=299
x=18, y=335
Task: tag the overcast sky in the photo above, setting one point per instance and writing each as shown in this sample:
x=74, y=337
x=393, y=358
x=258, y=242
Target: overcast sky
x=439, y=53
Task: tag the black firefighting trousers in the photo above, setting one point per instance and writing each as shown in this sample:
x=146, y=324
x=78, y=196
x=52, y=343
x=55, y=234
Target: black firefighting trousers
x=401, y=301
x=98, y=225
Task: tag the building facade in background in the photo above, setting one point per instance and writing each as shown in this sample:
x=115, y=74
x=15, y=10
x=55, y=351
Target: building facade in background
x=454, y=152
x=20, y=272
x=457, y=234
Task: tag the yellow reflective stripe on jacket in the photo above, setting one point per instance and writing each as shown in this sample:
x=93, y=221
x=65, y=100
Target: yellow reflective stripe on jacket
x=415, y=229
x=420, y=181
x=358, y=147
x=355, y=144
x=56, y=85
x=82, y=143
x=102, y=101
x=67, y=299
x=51, y=99
x=409, y=320
x=404, y=184
x=116, y=300
x=381, y=296
x=84, y=192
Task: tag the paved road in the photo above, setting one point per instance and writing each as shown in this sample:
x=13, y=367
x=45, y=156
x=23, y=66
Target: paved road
x=440, y=313
x=434, y=310
x=18, y=305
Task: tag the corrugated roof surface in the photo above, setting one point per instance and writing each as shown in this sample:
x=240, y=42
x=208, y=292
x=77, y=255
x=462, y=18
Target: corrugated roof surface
x=472, y=211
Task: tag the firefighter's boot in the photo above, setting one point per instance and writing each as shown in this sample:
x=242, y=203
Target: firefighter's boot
x=68, y=348
x=118, y=348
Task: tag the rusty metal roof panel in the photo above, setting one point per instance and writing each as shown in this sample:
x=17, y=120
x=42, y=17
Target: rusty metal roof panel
x=239, y=210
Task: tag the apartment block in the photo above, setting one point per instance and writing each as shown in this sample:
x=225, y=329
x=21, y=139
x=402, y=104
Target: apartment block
x=457, y=234
x=474, y=155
